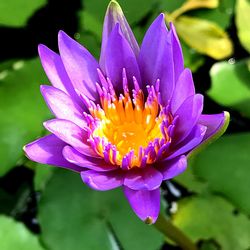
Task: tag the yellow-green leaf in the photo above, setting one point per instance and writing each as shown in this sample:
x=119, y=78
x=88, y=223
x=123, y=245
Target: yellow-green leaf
x=204, y=36
x=209, y=217
x=192, y=5
x=242, y=22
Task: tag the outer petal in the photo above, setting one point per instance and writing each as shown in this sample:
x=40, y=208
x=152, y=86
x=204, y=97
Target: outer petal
x=97, y=164
x=113, y=16
x=62, y=105
x=80, y=65
x=119, y=55
x=191, y=141
x=146, y=204
x=177, y=51
x=213, y=123
x=184, y=88
x=188, y=114
x=55, y=71
x=102, y=180
x=143, y=179
x=71, y=134
x=172, y=168
x=156, y=58
x=48, y=150
x=216, y=126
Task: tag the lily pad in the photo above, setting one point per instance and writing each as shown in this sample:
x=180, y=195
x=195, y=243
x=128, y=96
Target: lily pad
x=222, y=15
x=225, y=167
x=14, y=235
x=42, y=175
x=86, y=217
x=242, y=22
x=211, y=218
x=231, y=85
x=22, y=110
x=16, y=12
x=204, y=36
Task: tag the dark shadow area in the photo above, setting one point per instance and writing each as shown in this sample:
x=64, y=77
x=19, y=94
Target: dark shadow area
x=42, y=27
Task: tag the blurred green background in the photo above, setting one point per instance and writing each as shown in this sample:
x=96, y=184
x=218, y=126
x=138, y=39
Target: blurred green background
x=43, y=208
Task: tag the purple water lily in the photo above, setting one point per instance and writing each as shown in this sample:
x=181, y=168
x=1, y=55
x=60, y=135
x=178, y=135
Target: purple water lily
x=128, y=121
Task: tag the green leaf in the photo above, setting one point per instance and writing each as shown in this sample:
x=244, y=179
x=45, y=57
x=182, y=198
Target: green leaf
x=22, y=110
x=16, y=12
x=134, y=11
x=242, y=22
x=170, y=6
x=191, y=181
x=90, y=23
x=221, y=15
x=204, y=36
x=42, y=175
x=14, y=235
x=192, y=59
x=84, y=217
x=212, y=218
x=225, y=167
x=231, y=86
x=209, y=245
x=192, y=5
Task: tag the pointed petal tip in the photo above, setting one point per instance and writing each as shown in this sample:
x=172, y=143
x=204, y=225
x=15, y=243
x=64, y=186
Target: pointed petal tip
x=171, y=25
x=226, y=115
x=62, y=36
x=44, y=88
x=41, y=47
x=114, y=5
x=225, y=123
x=161, y=19
x=61, y=33
x=47, y=124
x=24, y=149
x=29, y=153
x=162, y=16
x=149, y=220
x=145, y=204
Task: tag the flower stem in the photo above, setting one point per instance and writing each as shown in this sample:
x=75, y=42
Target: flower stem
x=172, y=232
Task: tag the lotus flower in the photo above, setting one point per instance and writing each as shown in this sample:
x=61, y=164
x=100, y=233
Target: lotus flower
x=130, y=120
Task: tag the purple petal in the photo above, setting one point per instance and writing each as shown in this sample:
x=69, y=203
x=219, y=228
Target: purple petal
x=70, y=133
x=188, y=114
x=213, y=123
x=146, y=204
x=102, y=181
x=113, y=16
x=191, y=141
x=184, y=88
x=80, y=65
x=98, y=164
x=48, y=150
x=119, y=55
x=177, y=53
x=143, y=179
x=55, y=71
x=62, y=106
x=156, y=58
x=172, y=168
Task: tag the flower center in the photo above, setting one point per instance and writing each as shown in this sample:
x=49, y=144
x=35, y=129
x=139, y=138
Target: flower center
x=128, y=132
